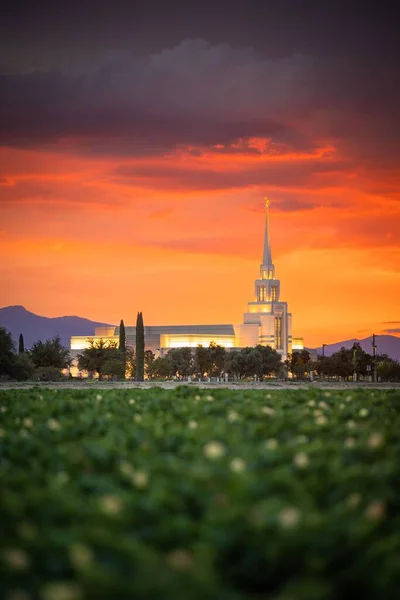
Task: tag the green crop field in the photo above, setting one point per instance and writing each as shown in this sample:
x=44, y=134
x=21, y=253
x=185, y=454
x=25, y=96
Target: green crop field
x=187, y=493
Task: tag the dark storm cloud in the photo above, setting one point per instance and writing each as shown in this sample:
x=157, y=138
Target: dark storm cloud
x=298, y=73
x=280, y=174
x=192, y=94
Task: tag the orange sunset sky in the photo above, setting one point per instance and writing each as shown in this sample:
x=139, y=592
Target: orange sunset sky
x=132, y=178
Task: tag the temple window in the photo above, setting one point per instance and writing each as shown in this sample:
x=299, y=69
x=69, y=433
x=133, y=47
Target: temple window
x=262, y=293
x=278, y=333
x=274, y=293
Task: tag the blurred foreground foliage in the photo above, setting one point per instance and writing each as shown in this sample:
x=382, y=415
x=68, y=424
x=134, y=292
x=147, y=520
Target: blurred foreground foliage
x=190, y=494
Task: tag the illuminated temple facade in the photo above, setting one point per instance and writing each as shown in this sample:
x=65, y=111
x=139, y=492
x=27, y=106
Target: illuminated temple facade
x=267, y=321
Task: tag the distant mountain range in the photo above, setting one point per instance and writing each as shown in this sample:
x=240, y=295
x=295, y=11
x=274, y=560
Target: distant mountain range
x=386, y=344
x=34, y=327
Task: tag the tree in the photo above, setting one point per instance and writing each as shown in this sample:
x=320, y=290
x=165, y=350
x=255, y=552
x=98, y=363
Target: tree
x=122, y=337
x=161, y=367
x=299, y=363
x=388, y=369
x=6, y=352
x=139, y=347
x=201, y=361
x=92, y=359
x=271, y=361
x=149, y=358
x=114, y=368
x=217, y=359
x=181, y=361
x=23, y=367
x=130, y=362
x=21, y=345
x=235, y=363
x=50, y=353
x=122, y=347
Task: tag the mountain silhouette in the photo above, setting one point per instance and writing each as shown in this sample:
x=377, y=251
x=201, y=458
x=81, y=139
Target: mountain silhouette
x=17, y=319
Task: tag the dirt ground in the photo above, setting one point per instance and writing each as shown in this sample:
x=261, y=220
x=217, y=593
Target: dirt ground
x=128, y=385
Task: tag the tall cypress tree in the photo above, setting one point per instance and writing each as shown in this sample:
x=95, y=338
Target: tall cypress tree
x=122, y=338
x=139, y=347
x=21, y=345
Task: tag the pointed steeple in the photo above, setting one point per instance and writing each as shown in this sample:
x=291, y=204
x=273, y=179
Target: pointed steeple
x=267, y=258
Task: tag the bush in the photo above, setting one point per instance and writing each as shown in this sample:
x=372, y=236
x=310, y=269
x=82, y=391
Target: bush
x=49, y=374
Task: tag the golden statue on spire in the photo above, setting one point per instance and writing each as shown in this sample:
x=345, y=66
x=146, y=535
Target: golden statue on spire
x=266, y=202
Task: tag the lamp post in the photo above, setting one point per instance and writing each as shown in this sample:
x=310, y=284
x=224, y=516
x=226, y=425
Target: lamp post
x=323, y=356
x=375, y=374
x=354, y=365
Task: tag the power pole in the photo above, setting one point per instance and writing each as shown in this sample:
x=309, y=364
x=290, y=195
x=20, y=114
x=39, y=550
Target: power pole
x=374, y=355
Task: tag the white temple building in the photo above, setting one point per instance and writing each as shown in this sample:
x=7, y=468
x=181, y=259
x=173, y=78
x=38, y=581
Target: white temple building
x=267, y=321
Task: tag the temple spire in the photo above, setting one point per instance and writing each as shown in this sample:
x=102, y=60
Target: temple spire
x=267, y=259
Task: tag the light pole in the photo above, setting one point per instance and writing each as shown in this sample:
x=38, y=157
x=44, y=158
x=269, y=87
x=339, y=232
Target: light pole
x=354, y=365
x=323, y=356
x=375, y=374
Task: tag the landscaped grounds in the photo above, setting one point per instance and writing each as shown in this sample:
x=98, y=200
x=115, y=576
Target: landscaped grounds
x=188, y=493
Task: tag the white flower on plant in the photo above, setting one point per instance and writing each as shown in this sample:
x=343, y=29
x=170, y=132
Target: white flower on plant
x=271, y=444
x=61, y=590
x=126, y=469
x=327, y=394
x=324, y=405
x=99, y=397
x=375, y=510
x=137, y=418
x=268, y=396
x=132, y=401
x=40, y=397
x=237, y=465
x=267, y=410
x=111, y=505
x=209, y=398
x=3, y=409
x=140, y=479
x=289, y=517
x=80, y=555
x=342, y=406
x=301, y=460
x=348, y=398
x=311, y=403
x=27, y=422
x=17, y=559
x=375, y=440
x=232, y=416
x=180, y=559
x=350, y=442
x=364, y=412
x=53, y=424
x=353, y=500
x=351, y=424
x=214, y=449
x=197, y=397
x=321, y=420
x=192, y=424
